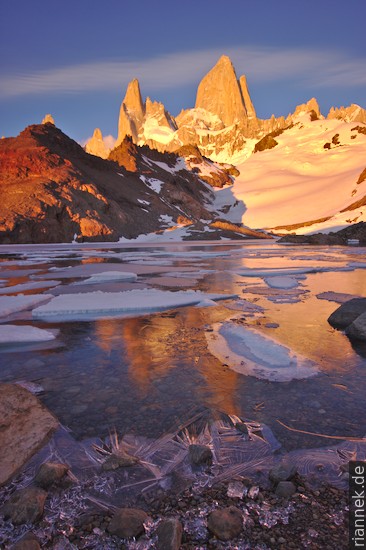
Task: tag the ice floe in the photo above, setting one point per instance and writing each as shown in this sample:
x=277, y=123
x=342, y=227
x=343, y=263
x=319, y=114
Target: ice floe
x=288, y=271
x=252, y=353
x=282, y=282
x=23, y=287
x=109, y=276
x=13, y=304
x=105, y=304
x=24, y=334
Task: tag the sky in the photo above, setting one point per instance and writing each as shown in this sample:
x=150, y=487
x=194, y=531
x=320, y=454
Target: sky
x=74, y=58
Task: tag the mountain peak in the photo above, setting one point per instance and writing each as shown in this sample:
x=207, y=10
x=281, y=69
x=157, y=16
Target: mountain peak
x=48, y=119
x=219, y=93
x=132, y=113
x=225, y=60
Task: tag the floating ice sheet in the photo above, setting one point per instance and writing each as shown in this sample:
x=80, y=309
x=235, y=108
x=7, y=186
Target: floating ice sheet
x=29, y=286
x=280, y=271
x=109, y=276
x=24, y=334
x=282, y=282
x=13, y=304
x=105, y=304
x=250, y=352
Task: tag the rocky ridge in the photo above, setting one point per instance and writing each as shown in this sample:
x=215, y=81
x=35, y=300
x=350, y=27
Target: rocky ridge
x=223, y=119
x=53, y=191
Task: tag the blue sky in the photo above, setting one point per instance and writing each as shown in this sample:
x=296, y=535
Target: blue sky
x=74, y=58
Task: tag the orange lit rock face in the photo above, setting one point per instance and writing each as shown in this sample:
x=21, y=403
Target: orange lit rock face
x=52, y=190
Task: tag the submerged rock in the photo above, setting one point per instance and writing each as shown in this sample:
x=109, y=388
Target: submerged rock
x=127, y=523
x=199, y=455
x=169, y=534
x=25, y=505
x=25, y=426
x=27, y=542
x=282, y=472
x=50, y=473
x=225, y=523
x=347, y=313
x=285, y=489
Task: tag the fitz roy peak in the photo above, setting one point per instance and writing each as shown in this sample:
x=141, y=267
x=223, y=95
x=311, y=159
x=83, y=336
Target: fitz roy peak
x=223, y=118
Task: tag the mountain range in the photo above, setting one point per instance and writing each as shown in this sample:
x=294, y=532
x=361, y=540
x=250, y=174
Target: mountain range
x=213, y=171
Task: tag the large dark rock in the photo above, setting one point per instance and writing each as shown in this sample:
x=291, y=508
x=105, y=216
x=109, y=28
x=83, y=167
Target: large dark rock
x=25, y=505
x=225, y=523
x=357, y=329
x=347, y=313
x=169, y=534
x=127, y=523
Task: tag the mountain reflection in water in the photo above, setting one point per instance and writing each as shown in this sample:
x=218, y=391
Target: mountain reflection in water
x=143, y=374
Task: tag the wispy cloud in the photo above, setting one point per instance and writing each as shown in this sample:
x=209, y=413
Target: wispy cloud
x=309, y=66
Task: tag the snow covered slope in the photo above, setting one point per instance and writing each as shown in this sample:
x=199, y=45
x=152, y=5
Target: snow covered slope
x=316, y=171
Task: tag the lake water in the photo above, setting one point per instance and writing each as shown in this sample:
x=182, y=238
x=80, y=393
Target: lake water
x=145, y=371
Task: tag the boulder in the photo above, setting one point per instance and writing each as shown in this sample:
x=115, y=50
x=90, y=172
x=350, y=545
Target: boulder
x=50, y=473
x=25, y=505
x=127, y=523
x=347, y=313
x=169, y=534
x=25, y=427
x=225, y=523
x=357, y=329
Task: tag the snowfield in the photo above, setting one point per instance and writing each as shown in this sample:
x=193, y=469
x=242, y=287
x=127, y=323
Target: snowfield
x=300, y=181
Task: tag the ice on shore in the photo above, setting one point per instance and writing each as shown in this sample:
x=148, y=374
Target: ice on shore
x=253, y=353
x=108, y=277
x=24, y=334
x=13, y=304
x=100, y=304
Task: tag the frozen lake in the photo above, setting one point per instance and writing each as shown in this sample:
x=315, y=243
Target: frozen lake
x=134, y=338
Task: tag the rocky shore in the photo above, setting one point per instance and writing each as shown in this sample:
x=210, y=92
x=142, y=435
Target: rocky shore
x=54, y=512
x=341, y=238
x=216, y=482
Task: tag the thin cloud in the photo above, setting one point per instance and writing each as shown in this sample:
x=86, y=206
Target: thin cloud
x=309, y=67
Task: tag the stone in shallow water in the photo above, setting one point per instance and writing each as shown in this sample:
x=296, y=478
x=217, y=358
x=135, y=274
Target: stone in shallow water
x=282, y=472
x=225, y=523
x=199, y=455
x=25, y=505
x=25, y=426
x=357, y=329
x=169, y=534
x=285, y=489
x=128, y=522
x=27, y=542
x=347, y=313
x=50, y=473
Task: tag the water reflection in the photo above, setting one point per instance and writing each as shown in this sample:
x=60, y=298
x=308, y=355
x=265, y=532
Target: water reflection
x=139, y=374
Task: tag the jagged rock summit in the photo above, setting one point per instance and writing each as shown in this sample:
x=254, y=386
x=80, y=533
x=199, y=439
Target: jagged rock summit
x=48, y=119
x=96, y=146
x=219, y=93
x=131, y=114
